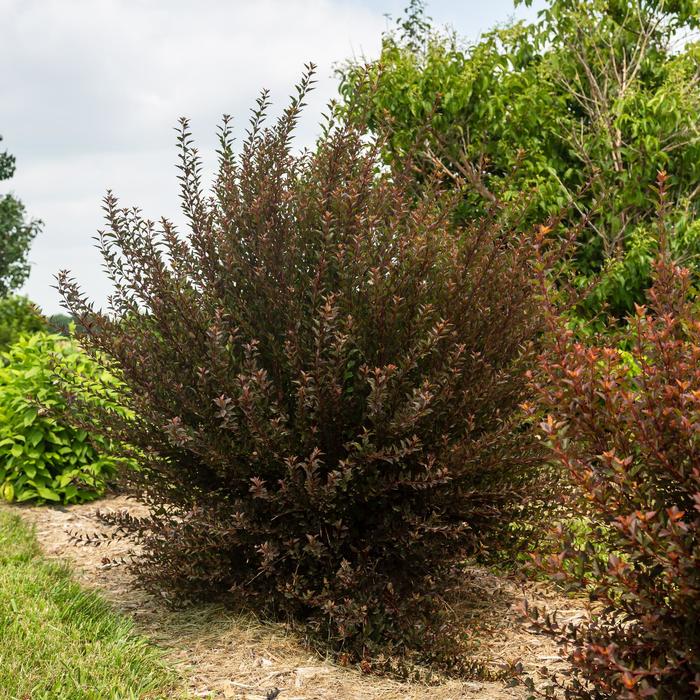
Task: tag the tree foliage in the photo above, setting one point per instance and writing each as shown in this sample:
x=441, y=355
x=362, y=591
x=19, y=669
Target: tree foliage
x=16, y=233
x=581, y=108
x=18, y=316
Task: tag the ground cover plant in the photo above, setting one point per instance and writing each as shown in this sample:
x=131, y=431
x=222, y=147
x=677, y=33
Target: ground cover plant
x=59, y=641
x=44, y=456
x=624, y=426
x=325, y=372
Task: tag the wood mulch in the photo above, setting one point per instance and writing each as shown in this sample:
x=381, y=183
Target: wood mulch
x=225, y=655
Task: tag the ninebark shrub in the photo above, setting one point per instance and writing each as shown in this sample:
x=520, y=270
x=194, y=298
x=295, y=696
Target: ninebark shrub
x=625, y=428
x=326, y=375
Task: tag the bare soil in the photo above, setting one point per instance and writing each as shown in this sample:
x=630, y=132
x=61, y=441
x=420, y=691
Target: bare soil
x=225, y=655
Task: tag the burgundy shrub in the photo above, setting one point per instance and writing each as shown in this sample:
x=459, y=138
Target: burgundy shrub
x=326, y=372
x=624, y=426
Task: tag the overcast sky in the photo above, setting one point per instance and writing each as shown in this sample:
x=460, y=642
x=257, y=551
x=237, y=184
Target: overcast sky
x=91, y=89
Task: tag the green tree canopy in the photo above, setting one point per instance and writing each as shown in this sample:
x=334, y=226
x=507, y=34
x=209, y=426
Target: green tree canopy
x=579, y=109
x=18, y=316
x=16, y=233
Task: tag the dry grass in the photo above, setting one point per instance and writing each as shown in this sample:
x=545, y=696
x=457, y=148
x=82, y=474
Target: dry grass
x=227, y=655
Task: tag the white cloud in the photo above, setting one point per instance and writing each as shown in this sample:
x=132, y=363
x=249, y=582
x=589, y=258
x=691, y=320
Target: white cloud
x=91, y=88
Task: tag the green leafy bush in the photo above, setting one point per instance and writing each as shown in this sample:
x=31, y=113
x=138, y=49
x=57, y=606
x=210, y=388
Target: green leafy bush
x=42, y=455
x=326, y=372
x=627, y=438
x=18, y=316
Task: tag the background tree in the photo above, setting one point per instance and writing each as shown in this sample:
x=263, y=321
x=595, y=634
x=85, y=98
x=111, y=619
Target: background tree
x=62, y=323
x=18, y=316
x=16, y=233
x=596, y=93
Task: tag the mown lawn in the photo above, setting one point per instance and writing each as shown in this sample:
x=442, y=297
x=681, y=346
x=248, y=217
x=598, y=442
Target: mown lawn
x=59, y=641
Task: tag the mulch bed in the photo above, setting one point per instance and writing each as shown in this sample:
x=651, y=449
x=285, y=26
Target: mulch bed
x=225, y=655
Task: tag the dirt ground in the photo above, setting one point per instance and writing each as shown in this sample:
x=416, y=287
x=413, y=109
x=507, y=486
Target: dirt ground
x=222, y=655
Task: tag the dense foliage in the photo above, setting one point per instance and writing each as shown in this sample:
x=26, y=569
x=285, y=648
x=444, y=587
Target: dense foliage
x=43, y=455
x=326, y=374
x=625, y=429
x=16, y=233
x=582, y=107
x=18, y=316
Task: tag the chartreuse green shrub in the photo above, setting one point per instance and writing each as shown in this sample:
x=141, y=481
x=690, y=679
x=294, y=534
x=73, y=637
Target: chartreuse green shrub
x=43, y=456
x=18, y=316
x=60, y=642
x=326, y=372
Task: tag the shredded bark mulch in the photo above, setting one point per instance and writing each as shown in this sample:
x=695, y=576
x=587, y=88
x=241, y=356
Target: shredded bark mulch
x=225, y=655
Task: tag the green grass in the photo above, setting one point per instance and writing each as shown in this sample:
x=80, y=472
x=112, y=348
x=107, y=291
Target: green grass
x=59, y=641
